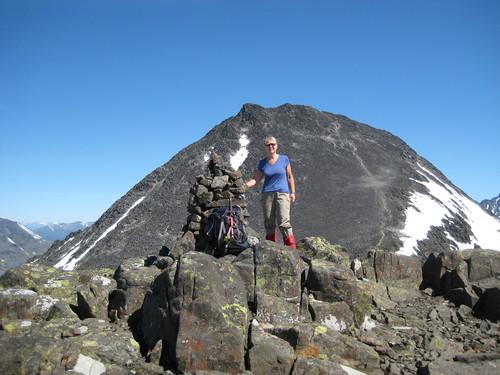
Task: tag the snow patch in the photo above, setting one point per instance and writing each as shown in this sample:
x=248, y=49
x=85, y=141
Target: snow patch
x=68, y=263
x=237, y=159
x=441, y=203
x=67, y=257
x=31, y=233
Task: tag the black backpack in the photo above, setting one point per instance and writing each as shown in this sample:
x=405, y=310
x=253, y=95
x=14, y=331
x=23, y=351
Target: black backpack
x=227, y=234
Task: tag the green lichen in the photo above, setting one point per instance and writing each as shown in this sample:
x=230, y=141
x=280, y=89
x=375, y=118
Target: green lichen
x=9, y=327
x=261, y=282
x=135, y=344
x=236, y=310
x=90, y=343
x=320, y=330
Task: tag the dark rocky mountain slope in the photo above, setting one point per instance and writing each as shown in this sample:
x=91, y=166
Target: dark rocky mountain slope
x=357, y=186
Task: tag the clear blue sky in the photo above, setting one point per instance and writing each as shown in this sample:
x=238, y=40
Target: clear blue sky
x=94, y=95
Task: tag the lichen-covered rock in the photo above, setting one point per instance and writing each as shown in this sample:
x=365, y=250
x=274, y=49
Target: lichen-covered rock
x=24, y=304
x=335, y=283
x=318, y=316
x=333, y=346
x=319, y=248
x=334, y=315
x=279, y=270
x=60, y=345
x=93, y=297
x=57, y=283
x=133, y=280
x=210, y=313
x=274, y=310
x=245, y=265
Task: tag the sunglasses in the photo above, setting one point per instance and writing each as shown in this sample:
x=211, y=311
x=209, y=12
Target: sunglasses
x=271, y=145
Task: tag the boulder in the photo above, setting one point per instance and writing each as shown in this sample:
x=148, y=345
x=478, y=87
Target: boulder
x=210, y=315
x=93, y=297
x=24, y=304
x=466, y=277
x=133, y=280
x=279, y=270
x=334, y=315
x=268, y=354
x=86, y=291
x=389, y=268
x=332, y=282
x=274, y=310
x=326, y=344
x=319, y=248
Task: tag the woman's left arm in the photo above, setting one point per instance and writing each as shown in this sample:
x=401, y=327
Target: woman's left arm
x=291, y=183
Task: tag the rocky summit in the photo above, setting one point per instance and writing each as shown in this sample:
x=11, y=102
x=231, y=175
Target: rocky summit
x=357, y=186
x=271, y=309
x=264, y=309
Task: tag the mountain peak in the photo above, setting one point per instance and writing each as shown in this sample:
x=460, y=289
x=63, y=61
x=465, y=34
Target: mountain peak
x=357, y=186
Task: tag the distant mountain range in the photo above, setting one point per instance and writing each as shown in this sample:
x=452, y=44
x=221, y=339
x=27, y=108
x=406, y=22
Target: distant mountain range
x=18, y=244
x=492, y=205
x=57, y=231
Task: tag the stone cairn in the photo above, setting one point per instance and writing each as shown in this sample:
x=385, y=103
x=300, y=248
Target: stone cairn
x=210, y=192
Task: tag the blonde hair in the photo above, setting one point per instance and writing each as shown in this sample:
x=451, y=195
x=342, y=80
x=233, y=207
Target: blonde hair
x=270, y=139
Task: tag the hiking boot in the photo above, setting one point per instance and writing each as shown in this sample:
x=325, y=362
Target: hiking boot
x=290, y=241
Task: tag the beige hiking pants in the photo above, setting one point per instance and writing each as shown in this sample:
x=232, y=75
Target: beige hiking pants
x=276, y=210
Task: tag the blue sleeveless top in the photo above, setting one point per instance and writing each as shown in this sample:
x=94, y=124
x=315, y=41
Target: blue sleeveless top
x=275, y=178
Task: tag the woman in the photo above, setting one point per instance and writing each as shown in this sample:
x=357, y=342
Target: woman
x=277, y=193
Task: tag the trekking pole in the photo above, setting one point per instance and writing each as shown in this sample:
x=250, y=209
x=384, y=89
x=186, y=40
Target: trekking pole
x=231, y=217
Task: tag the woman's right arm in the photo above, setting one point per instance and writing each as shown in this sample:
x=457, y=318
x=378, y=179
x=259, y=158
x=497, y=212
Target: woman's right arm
x=254, y=181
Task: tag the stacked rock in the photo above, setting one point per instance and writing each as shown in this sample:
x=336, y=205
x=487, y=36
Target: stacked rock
x=211, y=191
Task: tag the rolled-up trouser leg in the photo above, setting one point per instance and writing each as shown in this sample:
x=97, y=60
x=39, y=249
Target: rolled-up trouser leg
x=283, y=214
x=268, y=202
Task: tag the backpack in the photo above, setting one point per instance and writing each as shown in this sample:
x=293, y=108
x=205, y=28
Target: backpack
x=227, y=234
